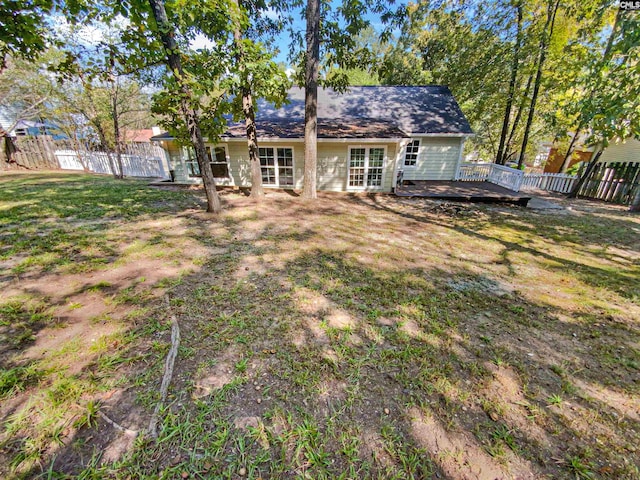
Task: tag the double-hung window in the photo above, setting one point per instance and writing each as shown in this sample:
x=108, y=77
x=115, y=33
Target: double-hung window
x=276, y=164
x=411, y=153
x=217, y=158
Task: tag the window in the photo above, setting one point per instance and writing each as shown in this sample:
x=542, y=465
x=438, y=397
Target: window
x=411, y=155
x=366, y=166
x=277, y=166
x=217, y=159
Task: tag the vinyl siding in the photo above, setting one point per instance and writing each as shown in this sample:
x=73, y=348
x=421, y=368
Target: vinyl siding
x=332, y=169
x=437, y=159
x=333, y=166
x=627, y=152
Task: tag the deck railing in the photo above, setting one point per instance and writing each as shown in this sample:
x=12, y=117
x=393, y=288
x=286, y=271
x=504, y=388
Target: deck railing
x=506, y=177
x=551, y=182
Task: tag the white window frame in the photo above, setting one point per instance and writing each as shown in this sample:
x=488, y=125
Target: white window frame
x=416, y=153
x=277, y=167
x=194, y=161
x=211, y=148
x=367, y=148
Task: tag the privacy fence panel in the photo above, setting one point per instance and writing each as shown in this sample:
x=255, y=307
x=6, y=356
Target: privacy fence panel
x=614, y=182
x=44, y=153
x=28, y=153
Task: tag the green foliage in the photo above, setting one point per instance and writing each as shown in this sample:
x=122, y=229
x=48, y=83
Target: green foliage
x=470, y=48
x=26, y=88
x=22, y=28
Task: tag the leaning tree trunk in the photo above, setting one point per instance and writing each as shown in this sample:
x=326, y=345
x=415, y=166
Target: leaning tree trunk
x=566, y=161
x=512, y=87
x=311, y=99
x=257, y=192
x=605, y=56
x=587, y=173
x=635, y=204
x=191, y=117
x=544, y=45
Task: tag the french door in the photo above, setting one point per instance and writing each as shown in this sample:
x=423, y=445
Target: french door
x=366, y=167
x=276, y=165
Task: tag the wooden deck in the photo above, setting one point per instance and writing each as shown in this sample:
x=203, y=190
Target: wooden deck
x=484, y=192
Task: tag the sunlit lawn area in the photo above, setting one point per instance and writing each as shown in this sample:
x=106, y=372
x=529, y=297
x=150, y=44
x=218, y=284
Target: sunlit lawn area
x=353, y=337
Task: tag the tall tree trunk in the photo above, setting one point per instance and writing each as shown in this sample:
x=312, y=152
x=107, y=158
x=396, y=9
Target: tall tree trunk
x=257, y=192
x=592, y=163
x=312, y=64
x=516, y=121
x=192, y=119
x=512, y=88
x=567, y=156
x=635, y=204
x=605, y=56
x=114, y=112
x=544, y=46
x=105, y=145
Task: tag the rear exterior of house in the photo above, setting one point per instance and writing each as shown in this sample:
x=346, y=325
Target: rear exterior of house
x=366, y=137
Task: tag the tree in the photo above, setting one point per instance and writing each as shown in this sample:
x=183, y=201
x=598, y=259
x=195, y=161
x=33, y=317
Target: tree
x=22, y=29
x=254, y=74
x=191, y=117
x=545, y=40
x=26, y=89
x=339, y=37
x=311, y=73
x=515, y=63
x=611, y=109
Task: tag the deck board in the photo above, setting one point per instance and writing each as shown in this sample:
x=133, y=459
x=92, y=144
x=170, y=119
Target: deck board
x=461, y=192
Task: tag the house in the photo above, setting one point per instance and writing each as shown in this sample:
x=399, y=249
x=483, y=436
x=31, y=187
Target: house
x=366, y=136
x=141, y=136
x=622, y=152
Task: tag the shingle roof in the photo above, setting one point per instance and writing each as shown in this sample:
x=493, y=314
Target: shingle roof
x=414, y=110
x=363, y=112
x=294, y=128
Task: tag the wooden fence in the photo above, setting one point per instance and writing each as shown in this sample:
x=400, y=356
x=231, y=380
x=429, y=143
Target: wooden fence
x=44, y=153
x=613, y=182
x=28, y=153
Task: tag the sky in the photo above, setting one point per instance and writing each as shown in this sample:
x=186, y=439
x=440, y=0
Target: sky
x=284, y=40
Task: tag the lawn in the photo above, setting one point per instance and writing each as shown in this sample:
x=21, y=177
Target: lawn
x=352, y=337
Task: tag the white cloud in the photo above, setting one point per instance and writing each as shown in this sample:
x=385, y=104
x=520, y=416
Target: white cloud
x=200, y=41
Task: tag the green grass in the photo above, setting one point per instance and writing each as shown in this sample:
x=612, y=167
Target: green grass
x=311, y=337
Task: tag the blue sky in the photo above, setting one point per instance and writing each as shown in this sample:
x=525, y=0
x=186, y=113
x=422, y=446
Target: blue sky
x=300, y=25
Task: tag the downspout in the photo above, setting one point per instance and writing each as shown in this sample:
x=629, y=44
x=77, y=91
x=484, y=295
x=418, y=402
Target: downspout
x=401, y=145
x=459, y=163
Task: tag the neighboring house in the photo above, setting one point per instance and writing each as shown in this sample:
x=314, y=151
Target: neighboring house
x=365, y=136
x=627, y=151
x=622, y=152
x=555, y=158
x=141, y=136
x=32, y=128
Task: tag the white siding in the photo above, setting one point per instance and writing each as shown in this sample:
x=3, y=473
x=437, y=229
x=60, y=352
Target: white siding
x=627, y=152
x=437, y=159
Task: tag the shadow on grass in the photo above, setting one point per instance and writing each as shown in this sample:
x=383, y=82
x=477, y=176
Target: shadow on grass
x=301, y=359
x=621, y=282
x=330, y=367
